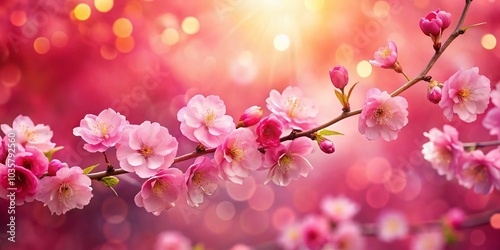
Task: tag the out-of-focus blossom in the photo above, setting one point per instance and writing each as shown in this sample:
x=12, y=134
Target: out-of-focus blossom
x=434, y=92
x=146, y=149
x=68, y=189
x=339, y=208
x=428, y=241
x=160, y=191
x=492, y=119
x=269, y=131
x=241, y=247
x=315, y=232
x=386, y=57
x=327, y=146
x=465, y=93
x=27, y=134
x=172, y=240
x=382, y=115
x=54, y=166
x=294, y=111
x=287, y=162
x=455, y=217
x=251, y=116
x=24, y=184
x=339, y=76
x=204, y=120
x=290, y=237
x=238, y=155
x=443, y=150
x=201, y=178
x=34, y=160
x=392, y=226
x=102, y=131
x=347, y=236
x=481, y=171
x=433, y=25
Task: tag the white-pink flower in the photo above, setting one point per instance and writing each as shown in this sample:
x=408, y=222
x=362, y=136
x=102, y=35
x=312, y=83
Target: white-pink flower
x=27, y=134
x=465, y=93
x=294, y=110
x=287, y=162
x=443, y=150
x=338, y=208
x=290, y=236
x=347, y=236
x=481, y=171
x=392, y=225
x=434, y=240
x=172, y=240
x=22, y=188
x=492, y=119
x=68, y=189
x=382, y=115
x=201, y=178
x=102, y=131
x=315, y=232
x=238, y=155
x=146, y=149
x=204, y=120
x=386, y=57
x=160, y=191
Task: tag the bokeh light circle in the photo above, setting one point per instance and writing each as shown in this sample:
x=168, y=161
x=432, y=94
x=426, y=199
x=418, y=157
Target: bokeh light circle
x=190, y=25
x=10, y=75
x=114, y=210
x=82, y=11
x=262, y=199
x=225, y=210
x=281, y=42
x=489, y=41
x=364, y=69
x=254, y=222
x=41, y=45
x=241, y=192
x=103, y=5
x=122, y=27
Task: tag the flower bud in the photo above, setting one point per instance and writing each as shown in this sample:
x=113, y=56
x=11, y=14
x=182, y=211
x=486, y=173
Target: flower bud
x=455, y=217
x=434, y=92
x=339, y=76
x=251, y=116
x=54, y=166
x=445, y=18
x=327, y=146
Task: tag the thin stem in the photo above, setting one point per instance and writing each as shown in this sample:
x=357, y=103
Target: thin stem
x=406, y=76
x=109, y=167
x=481, y=144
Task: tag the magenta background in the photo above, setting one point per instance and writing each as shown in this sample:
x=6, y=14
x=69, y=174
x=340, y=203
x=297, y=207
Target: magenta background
x=60, y=87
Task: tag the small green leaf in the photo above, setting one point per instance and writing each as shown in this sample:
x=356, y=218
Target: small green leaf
x=350, y=91
x=109, y=181
x=87, y=170
x=326, y=132
x=49, y=153
x=340, y=96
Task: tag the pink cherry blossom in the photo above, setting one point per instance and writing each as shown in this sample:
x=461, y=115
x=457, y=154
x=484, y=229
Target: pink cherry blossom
x=68, y=189
x=392, y=225
x=27, y=134
x=347, y=236
x=338, y=208
x=434, y=24
x=204, y=120
x=492, y=119
x=251, y=116
x=315, y=232
x=172, y=240
x=34, y=160
x=339, y=76
x=434, y=240
x=382, y=115
x=269, y=131
x=287, y=162
x=290, y=236
x=54, y=166
x=443, y=150
x=3, y=149
x=455, y=217
x=160, y=191
x=481, y=171
x=24, y=183
x=386, y=57
x=146, y=149
x=238, y=155
x=201, y=178
x=102, y=131
x=293, y=110
x=465, y=93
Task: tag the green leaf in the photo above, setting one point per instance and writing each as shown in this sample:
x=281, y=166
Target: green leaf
x=49, y=153
x=350, y=91
x=87, y=170
x=340, y=96
x=326, y=132
x=109, y=181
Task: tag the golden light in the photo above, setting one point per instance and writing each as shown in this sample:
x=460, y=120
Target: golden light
x=125, y=44
x=495, y=221
x=281, y=42
x=190, y=25
x=82, y=12
x=364, y=69
x=314, y=5
x=103, y=5
x=489, y=41
x=59, y=39
x=381, y=9
x=41, y=45
x=108, y=52
x=18, y=18
x=122, y=27
x=170, y=36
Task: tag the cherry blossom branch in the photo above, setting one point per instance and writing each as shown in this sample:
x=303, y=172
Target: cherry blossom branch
x=311, y=133
x=476, y=145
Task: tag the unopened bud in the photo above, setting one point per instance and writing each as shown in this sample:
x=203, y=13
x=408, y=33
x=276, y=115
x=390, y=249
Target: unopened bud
x=251, y=116
x=434, y=92
x=339, y=76
x=327, y=146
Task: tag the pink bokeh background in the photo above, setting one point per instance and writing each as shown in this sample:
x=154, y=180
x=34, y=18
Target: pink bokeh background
x=56, y=68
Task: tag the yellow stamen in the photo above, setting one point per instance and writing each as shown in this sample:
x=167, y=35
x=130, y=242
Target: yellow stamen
x=285, y=163
x=382, y=115
x=236, y=153
x=478, y=173
x=146, y=151
x=65, y=192
x=159, y=187
x=294, y=104
x=209, y=117
x=385, y=52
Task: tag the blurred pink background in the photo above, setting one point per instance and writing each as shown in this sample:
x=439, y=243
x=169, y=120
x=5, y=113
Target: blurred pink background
x=60, y=60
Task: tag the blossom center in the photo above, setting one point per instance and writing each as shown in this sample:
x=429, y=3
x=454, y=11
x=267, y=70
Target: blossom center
x=236, y=153
x=65, y=192
x=198, y=178
x=27, y=132
x=393, y=225
x=209, y=117
x=146, y=151
x=464, y=94
x=159, y=187
x=382, y=115
x=284, y=163
x=478, y=173
x=385, y=52
x=294, y=104
x=104, y=129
